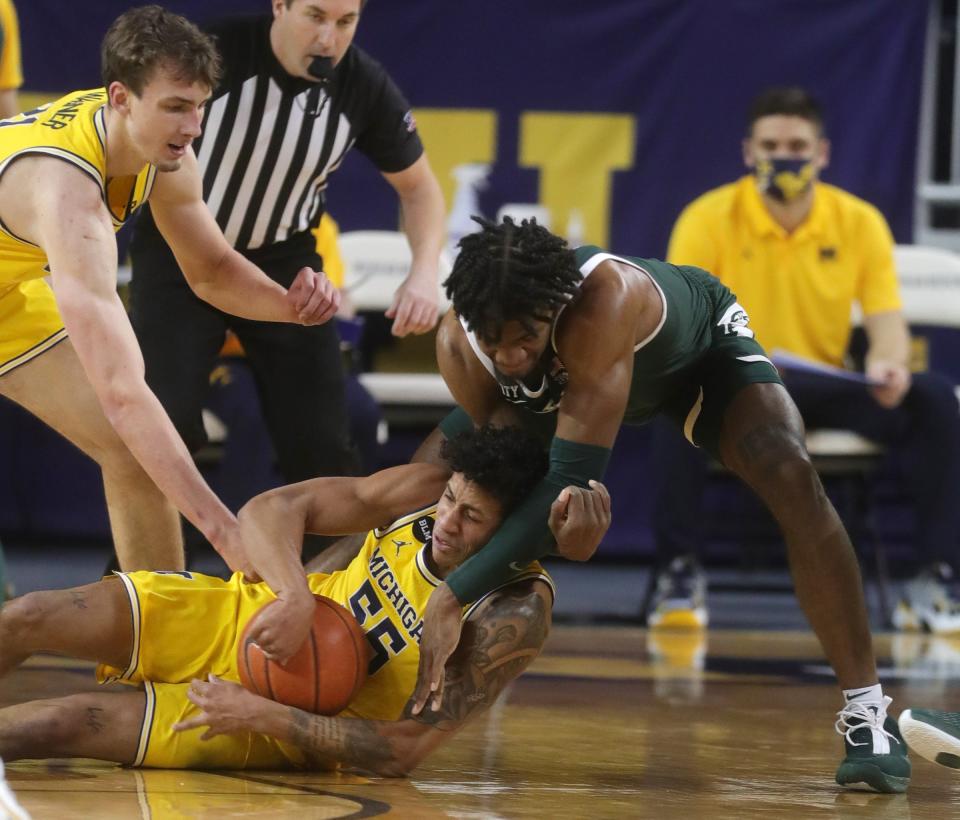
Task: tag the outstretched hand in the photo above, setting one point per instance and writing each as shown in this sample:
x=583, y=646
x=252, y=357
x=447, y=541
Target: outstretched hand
x=225, y=708
x=313, y=297
x=441, y=634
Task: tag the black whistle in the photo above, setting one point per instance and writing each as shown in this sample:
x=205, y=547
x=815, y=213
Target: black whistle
x=321, y=68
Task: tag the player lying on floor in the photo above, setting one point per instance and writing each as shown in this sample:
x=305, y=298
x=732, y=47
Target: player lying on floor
x=160, y=631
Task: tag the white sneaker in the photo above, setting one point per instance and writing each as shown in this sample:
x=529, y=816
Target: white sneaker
x=10, y=809
x=927, y=604
x=933, y=734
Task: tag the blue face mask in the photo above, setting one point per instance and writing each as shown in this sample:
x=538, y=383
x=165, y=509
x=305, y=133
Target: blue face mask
x=784, y=179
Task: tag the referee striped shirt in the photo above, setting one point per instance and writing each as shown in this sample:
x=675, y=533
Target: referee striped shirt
x=270, y=141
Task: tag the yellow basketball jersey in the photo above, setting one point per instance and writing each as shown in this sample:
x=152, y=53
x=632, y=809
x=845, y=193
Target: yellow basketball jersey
x=187, y=625
x=387, y=587
x=74, y=130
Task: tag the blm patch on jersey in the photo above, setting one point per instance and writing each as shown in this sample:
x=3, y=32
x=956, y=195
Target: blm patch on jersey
x=422, y=529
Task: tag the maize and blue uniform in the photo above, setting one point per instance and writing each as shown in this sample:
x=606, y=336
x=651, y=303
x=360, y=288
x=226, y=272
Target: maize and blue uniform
x=188, y=625
x=72, y=129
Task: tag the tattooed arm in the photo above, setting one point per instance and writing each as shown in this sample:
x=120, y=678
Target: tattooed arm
x=498, y=642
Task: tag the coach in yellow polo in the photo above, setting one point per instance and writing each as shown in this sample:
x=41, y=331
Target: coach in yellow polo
x=799, y=253
x=11, y=70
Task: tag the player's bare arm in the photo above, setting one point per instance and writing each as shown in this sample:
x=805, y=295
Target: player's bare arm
x=273, y=525
x=578, y=520
x=499, y=641
x=414, y=306
x=600, y=365
x=219, y=274
x=599, y=370
x=58, y=207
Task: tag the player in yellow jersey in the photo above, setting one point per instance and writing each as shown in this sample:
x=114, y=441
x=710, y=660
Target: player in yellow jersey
x=71, y=173
x=161, y=630
x=11, y=69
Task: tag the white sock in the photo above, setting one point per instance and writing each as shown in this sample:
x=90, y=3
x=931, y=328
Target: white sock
x=872, y=694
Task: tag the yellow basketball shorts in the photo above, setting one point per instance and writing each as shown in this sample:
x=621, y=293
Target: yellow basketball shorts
x=185, y=626
x=29, y=323
x=163, y=748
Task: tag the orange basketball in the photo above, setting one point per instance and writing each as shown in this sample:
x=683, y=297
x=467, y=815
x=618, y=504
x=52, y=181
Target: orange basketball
x=324, y=674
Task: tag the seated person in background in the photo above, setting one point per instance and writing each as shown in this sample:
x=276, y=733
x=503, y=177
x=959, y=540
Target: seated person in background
x=11, y=68
x=798, y=253
x=188, y=626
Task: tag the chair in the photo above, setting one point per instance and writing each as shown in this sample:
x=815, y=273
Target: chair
x=930, y=289
x=929, y=285
x=526, y=210
x=375, y=263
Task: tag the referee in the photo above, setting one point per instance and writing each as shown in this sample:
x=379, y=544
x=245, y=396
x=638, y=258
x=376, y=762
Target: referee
x=295, y=97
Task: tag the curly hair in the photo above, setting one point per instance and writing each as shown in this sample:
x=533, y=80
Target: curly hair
x=511, y=272
x=143, y=39
x=506, y=462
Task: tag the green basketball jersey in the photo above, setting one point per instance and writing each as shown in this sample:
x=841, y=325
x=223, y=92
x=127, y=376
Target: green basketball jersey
x=662, y=362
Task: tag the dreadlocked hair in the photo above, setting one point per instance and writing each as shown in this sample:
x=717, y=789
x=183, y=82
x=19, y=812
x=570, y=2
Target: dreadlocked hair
x=511, y=272
x=506, y=462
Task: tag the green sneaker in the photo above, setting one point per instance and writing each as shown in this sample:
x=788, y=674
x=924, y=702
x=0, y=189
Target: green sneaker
x=933, y=734
x=876, y=754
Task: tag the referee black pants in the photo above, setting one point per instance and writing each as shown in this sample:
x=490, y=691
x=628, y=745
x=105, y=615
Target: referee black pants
x=298, y=370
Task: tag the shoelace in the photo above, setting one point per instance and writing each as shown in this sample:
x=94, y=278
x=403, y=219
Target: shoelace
x=858, y=714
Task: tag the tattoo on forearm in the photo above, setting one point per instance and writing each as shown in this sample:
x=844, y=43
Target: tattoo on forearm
x=94, y=719
x=355, y=742
x=493, y=651
x=78, y=599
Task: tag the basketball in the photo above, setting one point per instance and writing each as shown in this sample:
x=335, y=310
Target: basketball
x=324, y=674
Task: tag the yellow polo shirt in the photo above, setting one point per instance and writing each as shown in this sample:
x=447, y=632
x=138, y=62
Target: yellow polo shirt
x=798, y=288
x=11, y=72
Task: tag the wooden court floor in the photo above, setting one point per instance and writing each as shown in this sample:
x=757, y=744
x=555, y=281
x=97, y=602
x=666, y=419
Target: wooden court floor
x=610, y=722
